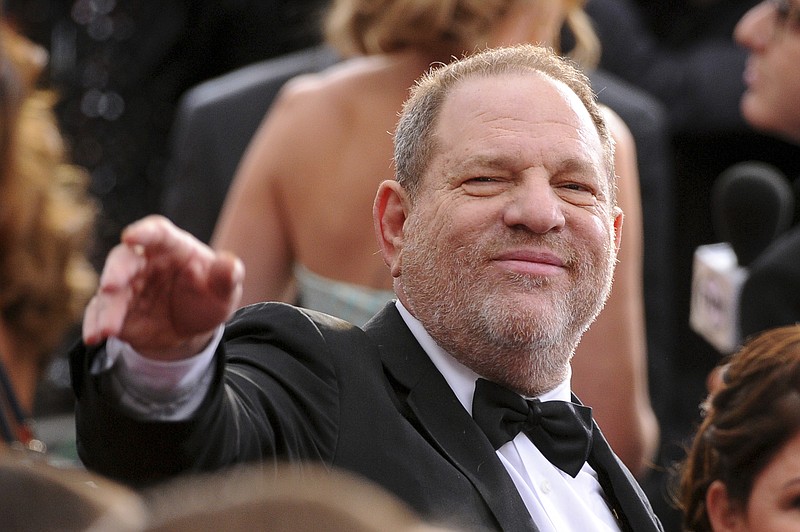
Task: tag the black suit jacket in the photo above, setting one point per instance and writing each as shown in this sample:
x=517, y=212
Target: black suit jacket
x=302, y=386
x=771, y=294
x=213, y=125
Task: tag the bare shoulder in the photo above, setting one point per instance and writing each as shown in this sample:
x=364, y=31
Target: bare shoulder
x=348, y=106
x=340, y=88
x=311, y=112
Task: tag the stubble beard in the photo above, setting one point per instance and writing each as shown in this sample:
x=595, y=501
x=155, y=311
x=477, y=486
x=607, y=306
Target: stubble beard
x=525, y=347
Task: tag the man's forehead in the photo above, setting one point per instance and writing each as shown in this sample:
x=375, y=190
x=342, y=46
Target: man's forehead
x=516, y=110
x=532, y=98
x=532, y=85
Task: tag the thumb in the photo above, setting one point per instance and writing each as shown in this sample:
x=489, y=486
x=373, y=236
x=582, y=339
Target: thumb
x=226, y=277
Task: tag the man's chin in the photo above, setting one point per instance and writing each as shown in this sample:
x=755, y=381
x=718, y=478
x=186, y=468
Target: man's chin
x=539, y=301
x=526, y=311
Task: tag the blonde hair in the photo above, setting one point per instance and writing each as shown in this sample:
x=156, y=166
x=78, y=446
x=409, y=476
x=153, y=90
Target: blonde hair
x=444, y=28
x=45, y=212
x=288, y=498
x=369, y=27
x=586, y=51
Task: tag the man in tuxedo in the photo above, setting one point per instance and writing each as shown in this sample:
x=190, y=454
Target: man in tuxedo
x=501, y=232
x=770, y=32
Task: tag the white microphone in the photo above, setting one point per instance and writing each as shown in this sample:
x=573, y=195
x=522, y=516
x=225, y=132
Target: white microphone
x=752, y=203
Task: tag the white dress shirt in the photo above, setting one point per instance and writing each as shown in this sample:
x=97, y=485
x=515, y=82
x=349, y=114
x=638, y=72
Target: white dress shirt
x=556, y=501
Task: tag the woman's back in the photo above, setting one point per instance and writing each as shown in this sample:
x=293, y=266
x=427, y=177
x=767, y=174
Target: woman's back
x=315, y=165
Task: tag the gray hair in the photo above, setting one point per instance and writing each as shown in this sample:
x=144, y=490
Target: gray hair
x=415, y=140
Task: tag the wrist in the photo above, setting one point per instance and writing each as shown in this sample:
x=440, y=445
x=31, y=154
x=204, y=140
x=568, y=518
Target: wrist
x=185, y=349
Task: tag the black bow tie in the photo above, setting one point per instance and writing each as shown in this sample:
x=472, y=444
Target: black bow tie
x=562, y=431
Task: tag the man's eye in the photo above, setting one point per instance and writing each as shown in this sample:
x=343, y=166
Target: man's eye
x=484, y=186
x=576, y=187
x=577, y=194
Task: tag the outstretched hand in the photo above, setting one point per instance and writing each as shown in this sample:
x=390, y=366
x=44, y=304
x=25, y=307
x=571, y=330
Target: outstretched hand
x=163, y=291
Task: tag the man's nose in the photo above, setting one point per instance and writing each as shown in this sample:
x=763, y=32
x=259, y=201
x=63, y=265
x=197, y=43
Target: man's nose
x=755, y=29
x=535, y=206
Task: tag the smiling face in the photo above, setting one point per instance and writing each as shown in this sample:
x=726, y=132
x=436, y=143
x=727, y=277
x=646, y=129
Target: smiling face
x=771, y=32
x=507, y=253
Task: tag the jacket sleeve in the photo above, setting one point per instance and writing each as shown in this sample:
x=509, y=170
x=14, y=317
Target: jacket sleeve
x=274, y=397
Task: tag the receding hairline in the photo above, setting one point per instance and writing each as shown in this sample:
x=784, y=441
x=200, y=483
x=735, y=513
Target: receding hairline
x=436, y=87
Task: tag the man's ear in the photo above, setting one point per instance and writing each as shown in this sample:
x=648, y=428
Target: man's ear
x=389, y=216
x=618, y=218
x=724, y=514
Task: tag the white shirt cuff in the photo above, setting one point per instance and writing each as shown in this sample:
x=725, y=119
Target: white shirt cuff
x=154, y=389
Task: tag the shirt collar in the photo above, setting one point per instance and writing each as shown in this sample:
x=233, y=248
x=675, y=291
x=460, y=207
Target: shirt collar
x=460, y=378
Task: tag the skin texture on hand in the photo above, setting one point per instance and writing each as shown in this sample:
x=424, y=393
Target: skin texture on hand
x=163, y=291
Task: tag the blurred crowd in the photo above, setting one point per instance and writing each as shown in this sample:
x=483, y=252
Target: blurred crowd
x=119, y=73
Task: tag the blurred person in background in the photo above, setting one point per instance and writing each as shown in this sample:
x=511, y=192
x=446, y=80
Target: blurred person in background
x=120, y=68
x=719, y=486
x=683, y=53
x=771, y=33
x=46, y=218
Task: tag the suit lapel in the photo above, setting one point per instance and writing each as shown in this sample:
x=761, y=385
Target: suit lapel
x=621, y=488
x=448, y=426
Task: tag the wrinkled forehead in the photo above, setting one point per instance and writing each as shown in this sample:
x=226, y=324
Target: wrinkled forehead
x=518, y=112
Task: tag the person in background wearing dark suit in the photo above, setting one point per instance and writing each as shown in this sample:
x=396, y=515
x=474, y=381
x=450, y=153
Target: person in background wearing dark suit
x=726, y=489
x=771, y=32
x=682, y=51
x=501, y=232
x=214, y=122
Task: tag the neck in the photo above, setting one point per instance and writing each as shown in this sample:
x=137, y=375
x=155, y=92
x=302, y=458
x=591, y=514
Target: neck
x=534, y=382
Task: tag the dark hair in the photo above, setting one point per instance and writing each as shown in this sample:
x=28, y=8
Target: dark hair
x=747, y=421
